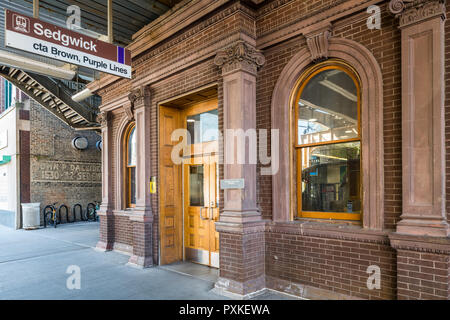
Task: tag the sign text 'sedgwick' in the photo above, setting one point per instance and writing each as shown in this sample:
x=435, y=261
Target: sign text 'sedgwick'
x=42, y=38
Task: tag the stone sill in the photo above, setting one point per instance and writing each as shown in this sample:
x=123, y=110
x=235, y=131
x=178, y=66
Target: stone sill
x=438, y=245
x=126, y=212
x=333, y=230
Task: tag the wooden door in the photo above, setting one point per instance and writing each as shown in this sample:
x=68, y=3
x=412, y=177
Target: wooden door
x=170, y=190
x=201, y=240
x=214, y=208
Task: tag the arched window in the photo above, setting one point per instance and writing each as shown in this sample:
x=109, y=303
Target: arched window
x=328, y=146
x=130, y=162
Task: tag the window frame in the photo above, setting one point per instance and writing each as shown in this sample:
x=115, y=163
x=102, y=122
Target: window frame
x=310, y=73
x=128, y=168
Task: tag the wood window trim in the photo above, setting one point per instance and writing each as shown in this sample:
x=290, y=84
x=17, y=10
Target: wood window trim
x=199, y=108
x=331, y=64
x=128, y=168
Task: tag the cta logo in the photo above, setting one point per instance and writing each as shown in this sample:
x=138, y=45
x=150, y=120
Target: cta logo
x=21, y=23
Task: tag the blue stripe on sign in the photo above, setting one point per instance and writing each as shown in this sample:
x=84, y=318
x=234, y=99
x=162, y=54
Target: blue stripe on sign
x=120, y=55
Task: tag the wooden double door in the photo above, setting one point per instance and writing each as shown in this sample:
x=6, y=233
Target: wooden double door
x=189, y=194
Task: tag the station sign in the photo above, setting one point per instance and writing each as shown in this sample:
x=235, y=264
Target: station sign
x=45, y=39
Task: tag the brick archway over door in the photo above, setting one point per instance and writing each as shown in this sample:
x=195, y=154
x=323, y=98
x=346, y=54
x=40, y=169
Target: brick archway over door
x=362, y=60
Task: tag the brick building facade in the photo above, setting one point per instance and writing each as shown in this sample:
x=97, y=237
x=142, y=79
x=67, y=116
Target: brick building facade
x=45, y=167
x=255, y=58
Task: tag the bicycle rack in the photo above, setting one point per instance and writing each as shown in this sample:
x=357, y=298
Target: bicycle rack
x=74, y=211
x=90, y=206
x=45, y=214
x=71, y=216
x=84, y=215
x=66, y=212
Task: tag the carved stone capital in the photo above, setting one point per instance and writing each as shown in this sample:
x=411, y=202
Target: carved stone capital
x=317, y=42
x=414, y=11
x=138, y=96
x=103, y=118
x=240, y=56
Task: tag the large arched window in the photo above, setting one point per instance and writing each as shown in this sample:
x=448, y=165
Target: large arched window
x=130, y=166
x=328, y=146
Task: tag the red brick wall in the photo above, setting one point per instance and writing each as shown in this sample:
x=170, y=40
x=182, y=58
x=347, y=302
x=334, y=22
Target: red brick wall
x=58, y=172
x=336, y=265
x=242, y=258
x=422, y=275
x=24, y=140
x=279, y=13
x=385, y=46
x=107, y=231
x=117, y=117
x=276, y=59
x=123, y=230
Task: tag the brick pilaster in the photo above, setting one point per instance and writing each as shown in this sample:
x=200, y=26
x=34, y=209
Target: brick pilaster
x=423, y=267
x=142, y=216
x=242, y=261
x=105, y=213
x=241, y=228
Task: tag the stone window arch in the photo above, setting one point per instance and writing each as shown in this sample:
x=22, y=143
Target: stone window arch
x=124, y=164
x=372, y=166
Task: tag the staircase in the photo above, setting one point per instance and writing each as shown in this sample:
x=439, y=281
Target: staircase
x=55, y=96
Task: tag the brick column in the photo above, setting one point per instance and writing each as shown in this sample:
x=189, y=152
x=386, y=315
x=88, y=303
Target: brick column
x=142, y=217
x=240, y=226
x=105, y=213
x=421, y=240
x=423, y=266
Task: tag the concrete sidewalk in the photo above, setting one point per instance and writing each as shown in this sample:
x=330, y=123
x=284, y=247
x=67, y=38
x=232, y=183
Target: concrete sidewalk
x=33, y=265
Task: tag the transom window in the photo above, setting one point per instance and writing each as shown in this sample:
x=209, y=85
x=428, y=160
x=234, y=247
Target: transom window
x=130, y=160
x=328, y=146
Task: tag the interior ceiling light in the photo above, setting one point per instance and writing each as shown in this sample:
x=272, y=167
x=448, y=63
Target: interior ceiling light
x=191, y=120
x=312, y=120
x=336, y=88
x=327, y=156
x=321, y=111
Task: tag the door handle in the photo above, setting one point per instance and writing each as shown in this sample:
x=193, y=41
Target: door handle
x=211, y=213
x=201, y=214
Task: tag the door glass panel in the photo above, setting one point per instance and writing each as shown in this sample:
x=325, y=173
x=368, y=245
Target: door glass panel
x=328, y=108
x=196, y=188
x=331, y=178
x=203, y=127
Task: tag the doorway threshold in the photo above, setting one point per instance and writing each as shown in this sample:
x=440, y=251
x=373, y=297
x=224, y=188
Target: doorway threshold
x=194, y=270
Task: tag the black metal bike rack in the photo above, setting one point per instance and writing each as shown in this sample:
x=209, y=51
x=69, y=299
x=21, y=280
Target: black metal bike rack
x=66, y=209
x=74, y=211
